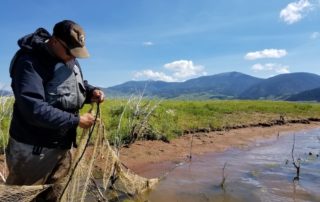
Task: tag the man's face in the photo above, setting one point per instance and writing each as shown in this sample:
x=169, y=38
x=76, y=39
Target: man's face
x=61, y=50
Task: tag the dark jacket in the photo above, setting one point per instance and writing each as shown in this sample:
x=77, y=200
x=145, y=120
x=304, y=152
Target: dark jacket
x=34, y=120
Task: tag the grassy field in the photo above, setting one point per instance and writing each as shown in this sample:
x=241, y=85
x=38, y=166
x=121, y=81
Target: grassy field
x=6, y=104
x=172, y=118
x=134, y=118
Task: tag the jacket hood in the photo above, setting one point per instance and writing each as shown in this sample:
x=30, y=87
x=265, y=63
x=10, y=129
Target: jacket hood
x=34, y=40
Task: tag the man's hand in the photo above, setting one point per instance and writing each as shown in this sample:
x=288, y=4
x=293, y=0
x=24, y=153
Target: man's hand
x=97, y=96
x=86, y=120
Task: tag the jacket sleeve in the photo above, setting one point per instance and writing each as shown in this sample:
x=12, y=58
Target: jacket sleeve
x=30, y=100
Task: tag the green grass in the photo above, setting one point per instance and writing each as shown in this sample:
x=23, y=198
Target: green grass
x=172, y=118
x=6, y=105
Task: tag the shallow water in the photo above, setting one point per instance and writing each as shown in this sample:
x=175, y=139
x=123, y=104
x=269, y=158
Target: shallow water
x=262, y=172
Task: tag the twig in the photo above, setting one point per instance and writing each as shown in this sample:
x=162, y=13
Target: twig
x=296, y=164
x=222, y=184
x=190, y=152
x=118, y=141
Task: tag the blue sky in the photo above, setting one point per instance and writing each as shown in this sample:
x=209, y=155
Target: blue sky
x=175, y=40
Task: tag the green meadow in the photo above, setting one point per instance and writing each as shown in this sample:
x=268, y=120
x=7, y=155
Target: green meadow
x=172, y=118
x=126, y=120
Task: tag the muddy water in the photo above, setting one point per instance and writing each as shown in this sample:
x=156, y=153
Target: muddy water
x=262, y=172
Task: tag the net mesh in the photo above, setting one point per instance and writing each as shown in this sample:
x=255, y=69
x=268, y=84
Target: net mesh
x=20, y=193
x=98, y=176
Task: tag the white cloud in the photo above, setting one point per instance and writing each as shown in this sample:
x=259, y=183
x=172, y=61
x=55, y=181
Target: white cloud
x=257, y=67
x=315, y=35
x=283, y=70
x=148, y=43
x=294, y=11
x=266, y=53
x=153, y=75
x=271, y=67
x=179, y=71
x=185, y=68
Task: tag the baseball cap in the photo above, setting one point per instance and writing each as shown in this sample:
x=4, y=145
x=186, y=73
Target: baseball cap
x=74, y=37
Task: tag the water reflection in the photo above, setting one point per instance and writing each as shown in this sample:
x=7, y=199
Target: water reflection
x=264, y=172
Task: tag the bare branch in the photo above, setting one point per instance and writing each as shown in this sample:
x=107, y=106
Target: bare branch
x=190, y=152
x=222, y=184
x=294, y=162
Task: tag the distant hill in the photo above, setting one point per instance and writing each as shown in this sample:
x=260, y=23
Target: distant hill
x=225, y=85
x=309, y=95
x=5, y=93
x=148, y=88
x=282, y=86
x=230, y=85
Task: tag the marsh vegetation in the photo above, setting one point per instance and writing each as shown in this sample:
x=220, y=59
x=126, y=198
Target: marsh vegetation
x=127, y=120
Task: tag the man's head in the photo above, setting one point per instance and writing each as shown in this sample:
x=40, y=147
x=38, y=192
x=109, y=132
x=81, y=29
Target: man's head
x=72, y=37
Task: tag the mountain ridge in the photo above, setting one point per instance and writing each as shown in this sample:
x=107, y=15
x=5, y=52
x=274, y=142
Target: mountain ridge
x=228, y=85
x=308, y=95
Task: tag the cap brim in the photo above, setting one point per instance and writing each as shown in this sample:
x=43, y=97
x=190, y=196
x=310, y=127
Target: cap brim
x=80, y=52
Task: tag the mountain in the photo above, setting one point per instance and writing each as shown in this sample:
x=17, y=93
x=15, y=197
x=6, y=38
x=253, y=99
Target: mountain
x=148, y=88
x=230, y=85
x=282, y=86
x=5, y=93
x=309, y=95
x=225, y=85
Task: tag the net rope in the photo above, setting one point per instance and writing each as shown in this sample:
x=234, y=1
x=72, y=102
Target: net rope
x=99, y=176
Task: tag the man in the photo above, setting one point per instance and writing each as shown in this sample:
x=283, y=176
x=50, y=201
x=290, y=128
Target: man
x=49, y=91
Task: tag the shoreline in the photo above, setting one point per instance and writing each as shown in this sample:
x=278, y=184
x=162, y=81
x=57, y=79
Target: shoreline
x=154, y=158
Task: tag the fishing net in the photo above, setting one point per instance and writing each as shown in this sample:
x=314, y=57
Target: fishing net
x=20, y=193
x=96, y=175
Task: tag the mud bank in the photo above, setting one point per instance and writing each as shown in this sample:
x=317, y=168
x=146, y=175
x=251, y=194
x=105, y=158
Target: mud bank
x=148, y=157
